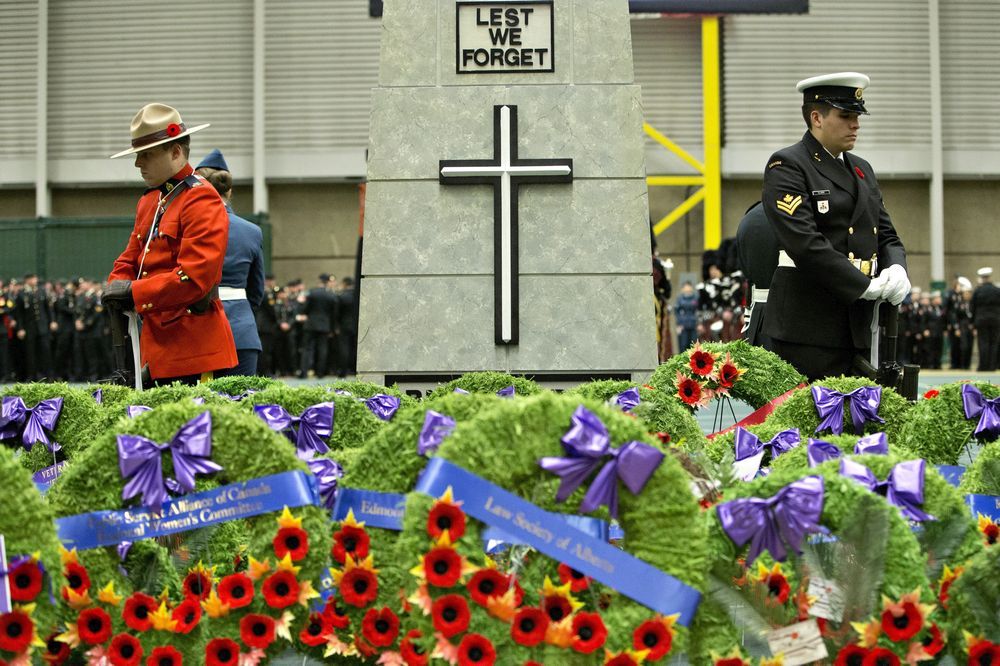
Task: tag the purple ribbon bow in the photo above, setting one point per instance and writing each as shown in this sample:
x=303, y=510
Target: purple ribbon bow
x=328, y=474
x=904, y=486
x=750, y=450
x=776, y=523
x=436, y=428
x=383, y=406
x=506, y=392
x=988, y=411
x=460, y=391
x=33, y=425
x=628, y=399
x=820, y=452
x=306, y=431
x=98, y=396
x=864, y=403
x=238, y=396
x=140, y=462
x=133, y=411
x=587, y=442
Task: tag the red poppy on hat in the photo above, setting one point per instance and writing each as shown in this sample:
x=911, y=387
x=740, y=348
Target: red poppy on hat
x=281, y=589
x=137, y=610
x=528, y=627
x=257, y=631
x=851, y=655
x=25, y=581
x=222, y=652
x=187, y=614
x=380, y=627
x=350, y=540
x=315, y=631
x=17, y=631
x=487, y=583
x=589, y=632
x=476, y=650
x=292, y=541
x=165, y=656
x=236, y=590
x=578, y=582
x=126, y=650
x=450, y=615
x=411, y=651
x=77, y=579
x=94, y=626
x=173, y=129
x=56, y=652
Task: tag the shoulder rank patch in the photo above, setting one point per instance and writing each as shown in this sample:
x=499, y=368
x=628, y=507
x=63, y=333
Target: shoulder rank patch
x=789, y=203
x=774, y=164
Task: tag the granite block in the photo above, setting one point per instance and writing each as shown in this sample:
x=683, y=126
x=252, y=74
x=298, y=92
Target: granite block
x=598, y=126
x=422, y=227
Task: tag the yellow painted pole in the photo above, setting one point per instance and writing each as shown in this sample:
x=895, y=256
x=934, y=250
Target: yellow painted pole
x=678, y=213
x=682, y=181
x=711, y=128
x=658, y=136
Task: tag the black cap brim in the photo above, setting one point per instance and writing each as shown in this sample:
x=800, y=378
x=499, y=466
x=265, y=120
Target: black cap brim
x=852, y=105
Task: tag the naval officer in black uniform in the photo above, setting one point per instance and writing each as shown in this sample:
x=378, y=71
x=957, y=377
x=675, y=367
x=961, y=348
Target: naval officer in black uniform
x=839, y=250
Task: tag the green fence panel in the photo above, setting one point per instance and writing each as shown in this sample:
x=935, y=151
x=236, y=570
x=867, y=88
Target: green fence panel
x=18, y=248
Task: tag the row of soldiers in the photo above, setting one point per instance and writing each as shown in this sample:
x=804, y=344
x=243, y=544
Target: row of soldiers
x=58, y=330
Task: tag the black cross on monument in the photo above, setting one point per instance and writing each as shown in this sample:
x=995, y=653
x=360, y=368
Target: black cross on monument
x=506, y=173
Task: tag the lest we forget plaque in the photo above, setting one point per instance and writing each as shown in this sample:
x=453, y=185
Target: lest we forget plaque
x=506, y=214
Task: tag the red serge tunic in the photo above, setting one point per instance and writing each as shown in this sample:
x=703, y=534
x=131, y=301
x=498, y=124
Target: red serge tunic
x=183, y=263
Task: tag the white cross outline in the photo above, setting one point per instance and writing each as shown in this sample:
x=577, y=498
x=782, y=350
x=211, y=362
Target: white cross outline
x=505, y=173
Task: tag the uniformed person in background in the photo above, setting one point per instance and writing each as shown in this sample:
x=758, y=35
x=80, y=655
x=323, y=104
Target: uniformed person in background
x=266, y=317
x=961, y=332
x=757, y=252
x=6, y=308
x=985, y=308
x=33, y=314
x=839, y=250
x=64, y=311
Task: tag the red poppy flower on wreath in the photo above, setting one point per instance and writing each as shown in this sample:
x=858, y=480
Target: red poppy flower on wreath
x=931, y=394
x=851, y=655
x=358, y=584
x=981, y=651
x=729, y=373
x=380, y=627
x=257, y=631
x=94, y=626
x=578, y=582
x=137, y=610
x=281, y=589
x=689, y=390
x=222, y=652
x=486, y=583
x=165, y=656
x=187, y=614
x=446, y=516
x=236, y=590
x=881, y=657
x=292, y=541
x=656, y=635
x=411, y=651
x=56, y=652
x=17, y=631
x=663, y=437
x=315, y=631
x=989, y=529
x=450, y=615
x=702, y=362
x=734, y=658
x=589, y=632
x=933, y=642
x=476, y=650
x=351, y=539
x=626, y=658
x=904, y=619
x=335, y=614
x=77, y=579
x=25, y=581
x=198, y=582
x=528, y=627
x=173, y=129
x=774, y=580
x=125, y=650
x=442, y=566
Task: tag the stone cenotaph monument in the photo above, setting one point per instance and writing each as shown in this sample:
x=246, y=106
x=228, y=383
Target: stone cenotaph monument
x=506, y=215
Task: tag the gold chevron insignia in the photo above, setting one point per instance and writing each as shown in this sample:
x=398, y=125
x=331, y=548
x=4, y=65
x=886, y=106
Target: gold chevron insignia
x=789, y=203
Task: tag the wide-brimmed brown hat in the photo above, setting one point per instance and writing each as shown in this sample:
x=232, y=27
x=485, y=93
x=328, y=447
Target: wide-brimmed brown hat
x=156, y=124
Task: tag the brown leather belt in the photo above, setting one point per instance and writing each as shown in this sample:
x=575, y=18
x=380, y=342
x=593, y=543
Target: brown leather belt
x=202, y=305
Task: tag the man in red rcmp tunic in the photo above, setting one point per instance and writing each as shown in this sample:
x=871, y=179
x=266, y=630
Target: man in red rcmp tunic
x=170, y=270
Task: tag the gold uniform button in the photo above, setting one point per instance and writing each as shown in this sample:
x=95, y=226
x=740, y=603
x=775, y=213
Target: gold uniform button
x=145, y=273
x=850, y=230
x=850, y=255
x=875, y=230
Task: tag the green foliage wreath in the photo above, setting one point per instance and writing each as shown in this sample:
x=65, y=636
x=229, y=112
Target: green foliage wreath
x=487, y=382
x=936, y=428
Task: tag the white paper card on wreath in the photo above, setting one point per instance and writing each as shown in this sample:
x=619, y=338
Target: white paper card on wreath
x=799, y=643
x=829, y=603
x=746, y=469
x=4, y=579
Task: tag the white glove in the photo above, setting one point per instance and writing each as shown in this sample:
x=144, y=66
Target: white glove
x=897, y=285
x=876, y=289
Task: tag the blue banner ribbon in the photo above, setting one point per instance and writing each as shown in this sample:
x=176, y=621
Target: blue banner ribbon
x=951, y=473
x=374, y=509
x=988, y=505
x=44, y=478
x=496, y=539
x=598, y=559
x=188, y=512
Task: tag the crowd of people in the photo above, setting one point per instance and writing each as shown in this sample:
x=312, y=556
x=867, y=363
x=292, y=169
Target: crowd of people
x=58, y=330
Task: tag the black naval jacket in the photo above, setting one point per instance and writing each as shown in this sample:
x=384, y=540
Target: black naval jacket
x=823, y=214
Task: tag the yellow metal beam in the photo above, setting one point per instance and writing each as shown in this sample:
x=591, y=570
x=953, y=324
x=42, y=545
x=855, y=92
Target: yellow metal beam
x=675, y=181
x=673, y=147
x=678, y=213
x=711, y=130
